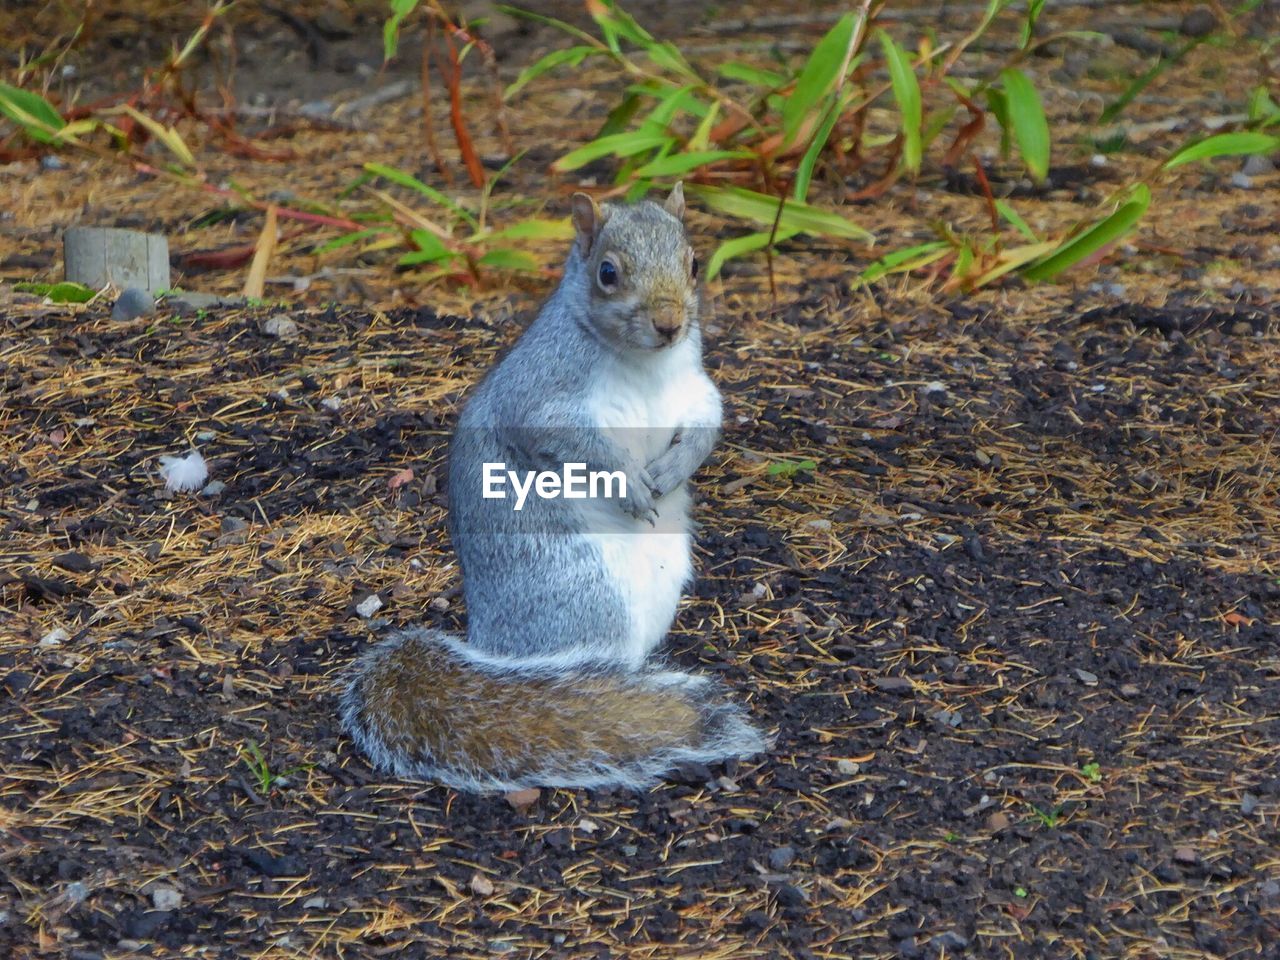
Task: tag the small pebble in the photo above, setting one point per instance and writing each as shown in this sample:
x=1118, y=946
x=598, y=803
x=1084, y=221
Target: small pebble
x=133, y=303
x=51, y=162
x=164, y=897
x=1257, y=165
x=213, y=488
x=369, y=605
x=781, y=857
x=331, y=403
x=846, y=766
x=481, y=885
x=314, y=903
x=77, y=892
x=522, y=800
x=1241, y=181
x=1248, y=804
x=54, y=637
x=280, y=326
x=1199, y=22
x=1087, y=678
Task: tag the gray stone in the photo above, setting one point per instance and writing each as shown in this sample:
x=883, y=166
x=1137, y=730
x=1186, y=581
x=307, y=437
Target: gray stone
x=1248, y=804
x=1257, y=165
x=1241, y=181
x=951, y=940
x=781, y=857
x=132, y=303
x=1199, y=22
x=280, y=326
x=164, y=897
x=213, y=488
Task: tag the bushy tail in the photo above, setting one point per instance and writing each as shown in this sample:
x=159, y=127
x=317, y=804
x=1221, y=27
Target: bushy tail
x=424, y=705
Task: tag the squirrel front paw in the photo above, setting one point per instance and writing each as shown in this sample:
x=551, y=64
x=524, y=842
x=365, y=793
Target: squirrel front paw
x=639, y=499
x=666, y=472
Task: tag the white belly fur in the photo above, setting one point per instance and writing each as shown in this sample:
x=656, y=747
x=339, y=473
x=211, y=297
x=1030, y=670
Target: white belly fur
x=650, y=565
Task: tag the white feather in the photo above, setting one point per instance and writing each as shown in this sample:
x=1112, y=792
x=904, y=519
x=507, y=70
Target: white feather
x=184, y=473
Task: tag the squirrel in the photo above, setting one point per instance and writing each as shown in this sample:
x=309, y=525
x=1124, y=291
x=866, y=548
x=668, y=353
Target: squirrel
x=567, y=597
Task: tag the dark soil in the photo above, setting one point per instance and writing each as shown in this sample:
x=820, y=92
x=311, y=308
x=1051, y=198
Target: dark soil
x=1016, y=636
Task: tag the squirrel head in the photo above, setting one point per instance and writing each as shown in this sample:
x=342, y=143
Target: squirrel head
x=640, y=269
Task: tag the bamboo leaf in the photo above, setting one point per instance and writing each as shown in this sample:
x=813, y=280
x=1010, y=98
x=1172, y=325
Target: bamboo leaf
x=616, y=145
x=1014, y=218
x=681, y=163
x=906, y=91
x=768, y=79
x=413, y=183
x=823, y=72
x=506, y=259
x=1224, y=145
x=762, y=208
x=349, y=238
x=531, y=229
x=739, y=246
x=391, y=29
x=431, y=249
x=901, y=261
x=573, y=56
x=1094, y=238
x=37, y=117
x=1026, y=116
x=804, y=171
x=166, y=135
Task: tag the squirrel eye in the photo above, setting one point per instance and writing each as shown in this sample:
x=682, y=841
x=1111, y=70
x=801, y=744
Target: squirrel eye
x=608, y=274
x=693, y=268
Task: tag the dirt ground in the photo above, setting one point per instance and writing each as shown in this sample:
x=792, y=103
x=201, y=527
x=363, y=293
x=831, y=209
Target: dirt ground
x=1017, y=633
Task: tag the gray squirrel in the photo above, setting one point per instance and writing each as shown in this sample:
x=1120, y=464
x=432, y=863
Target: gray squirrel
x=567, y=598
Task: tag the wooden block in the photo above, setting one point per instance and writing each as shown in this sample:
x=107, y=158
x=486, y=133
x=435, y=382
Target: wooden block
x=97, y=256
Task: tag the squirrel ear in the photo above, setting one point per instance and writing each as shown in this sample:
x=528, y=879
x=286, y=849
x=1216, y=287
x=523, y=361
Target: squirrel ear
x=675, y=202
x=588, y=218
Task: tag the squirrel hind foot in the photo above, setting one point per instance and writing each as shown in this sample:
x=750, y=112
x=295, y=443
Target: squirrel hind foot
x=421, y=708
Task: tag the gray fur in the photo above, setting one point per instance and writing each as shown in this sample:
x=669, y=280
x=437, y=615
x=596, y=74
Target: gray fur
x=536, y=582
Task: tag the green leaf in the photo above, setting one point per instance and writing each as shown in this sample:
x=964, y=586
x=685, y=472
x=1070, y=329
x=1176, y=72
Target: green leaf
x=391, y=29
x=1224, y=145
x=349, y=238
x=789, y=468
x=998, y=104
x=666, y=55
x=507, y=259
x=669, y=104
x=681, y=163
x=804, y=171
x=431, y=249
x=616, y=145
x=902, y=261
x=739, y=246
x=762, y=208
x=573, y=56
x=549, y=21
x=1144, y=80
x=1034, y=9
x=1093, y=239
x=37, y=117
x=64, y=292
x=906, y=90
x=823, y=72
x=768, y=79
x=532, y=229
x=1026, y=116
x=413, y=183
x=1019, y=224
x=701, y=138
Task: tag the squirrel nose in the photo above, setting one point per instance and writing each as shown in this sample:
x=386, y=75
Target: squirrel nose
x=668, y=320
